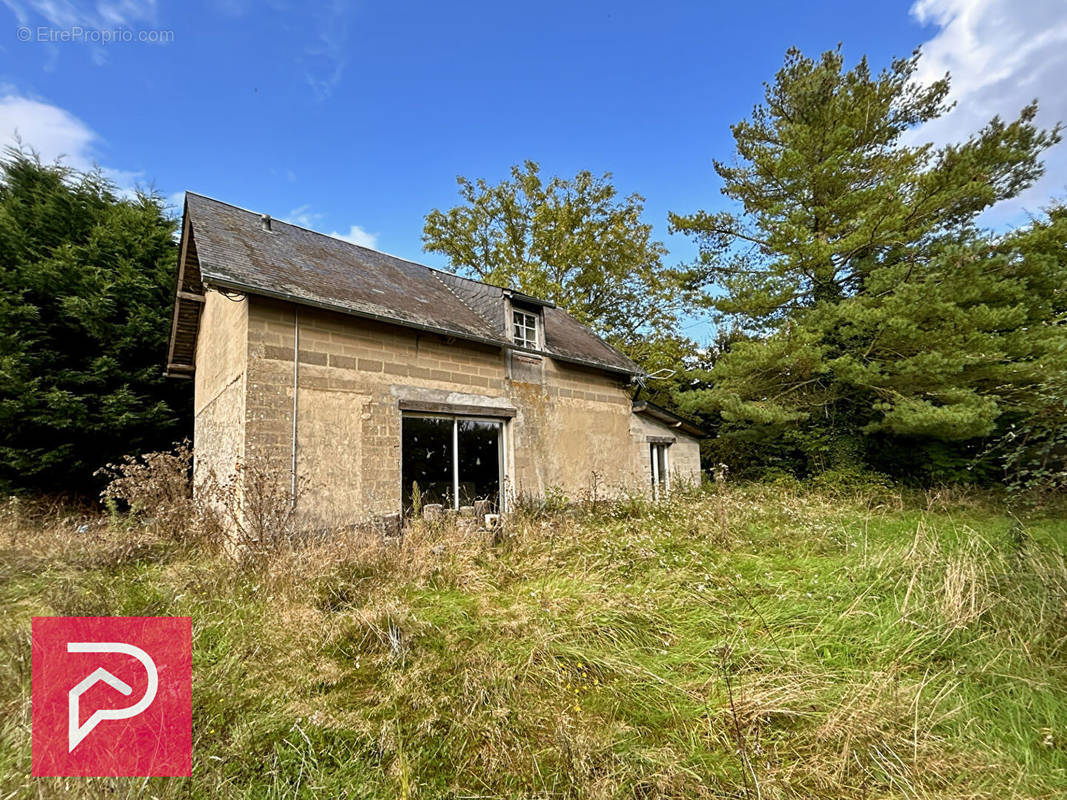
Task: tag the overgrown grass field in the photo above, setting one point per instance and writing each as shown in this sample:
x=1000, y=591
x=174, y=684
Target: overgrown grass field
x=740, y=641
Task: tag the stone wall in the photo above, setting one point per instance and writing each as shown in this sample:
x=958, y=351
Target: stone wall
x=683, y=454
x=219, y=399
x=570, y=431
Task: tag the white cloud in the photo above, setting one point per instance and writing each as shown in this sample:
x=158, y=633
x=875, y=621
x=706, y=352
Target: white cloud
x=323, y=57
x=125, y=12
x=326, y=59
x=1001, y=55
x=56, y=135
x=99, y=15
x=305, y=217
x=67, y=15
x=50, y=130
x=356, y=235
x=176, y=202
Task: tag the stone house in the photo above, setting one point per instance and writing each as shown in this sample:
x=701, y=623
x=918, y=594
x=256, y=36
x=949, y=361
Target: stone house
x=368, y=375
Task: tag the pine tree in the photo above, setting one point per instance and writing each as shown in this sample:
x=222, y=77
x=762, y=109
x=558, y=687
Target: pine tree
x=85, y=283
x=1031, y=441
x=869, y=306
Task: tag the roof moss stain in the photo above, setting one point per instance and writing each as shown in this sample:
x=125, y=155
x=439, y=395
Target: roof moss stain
x=295, y=264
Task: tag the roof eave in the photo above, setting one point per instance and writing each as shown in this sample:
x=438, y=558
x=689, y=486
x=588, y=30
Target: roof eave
x=670, y=418
x=618, y=370
x=236, y=286
x=177, y=368
x=529, y=299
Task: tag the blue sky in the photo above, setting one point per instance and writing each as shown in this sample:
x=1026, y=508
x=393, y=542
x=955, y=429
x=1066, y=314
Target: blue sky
x=354, y=118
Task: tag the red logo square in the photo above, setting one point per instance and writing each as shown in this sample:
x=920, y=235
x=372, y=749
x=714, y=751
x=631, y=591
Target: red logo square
x=112, y=696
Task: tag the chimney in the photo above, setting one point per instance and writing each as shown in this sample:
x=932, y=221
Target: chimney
x=264, y=222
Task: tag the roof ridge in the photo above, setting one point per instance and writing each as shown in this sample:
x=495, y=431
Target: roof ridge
x=455, y=294
x=306, y=266
x=307, y=229
x=353, y=244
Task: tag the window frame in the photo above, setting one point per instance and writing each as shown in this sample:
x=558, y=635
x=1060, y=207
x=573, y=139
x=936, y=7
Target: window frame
x=660, y=473
x=455, y=419
x=535, y=326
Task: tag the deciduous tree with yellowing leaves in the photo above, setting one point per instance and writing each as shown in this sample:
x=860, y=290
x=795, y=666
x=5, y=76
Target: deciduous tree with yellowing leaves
x=574, y=242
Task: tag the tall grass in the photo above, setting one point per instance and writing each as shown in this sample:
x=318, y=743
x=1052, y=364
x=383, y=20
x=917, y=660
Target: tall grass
x=738, y=641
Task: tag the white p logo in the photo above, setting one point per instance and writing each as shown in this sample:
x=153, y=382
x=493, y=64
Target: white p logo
x=76, y=732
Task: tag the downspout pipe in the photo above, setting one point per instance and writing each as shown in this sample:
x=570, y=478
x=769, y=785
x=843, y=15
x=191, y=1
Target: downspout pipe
x=296, y=394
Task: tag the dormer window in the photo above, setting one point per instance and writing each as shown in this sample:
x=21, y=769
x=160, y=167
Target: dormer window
x=524, y=328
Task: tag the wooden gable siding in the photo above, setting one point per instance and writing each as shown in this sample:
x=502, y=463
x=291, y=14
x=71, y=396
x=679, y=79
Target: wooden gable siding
x=188, y=306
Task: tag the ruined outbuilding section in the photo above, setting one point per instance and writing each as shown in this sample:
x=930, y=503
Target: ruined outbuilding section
x=385, y=384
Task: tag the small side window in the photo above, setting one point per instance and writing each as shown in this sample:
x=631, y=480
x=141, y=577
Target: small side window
x=524, y=328
x=660, y=469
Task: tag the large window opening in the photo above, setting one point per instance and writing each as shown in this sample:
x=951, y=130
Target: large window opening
x=660, y=471
x=428, y=459
x=453, y=461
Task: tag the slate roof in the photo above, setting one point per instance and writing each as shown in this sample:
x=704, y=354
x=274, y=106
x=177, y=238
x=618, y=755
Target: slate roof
x=226, y=248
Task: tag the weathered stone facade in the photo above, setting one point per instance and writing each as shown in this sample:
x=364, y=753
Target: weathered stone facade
x=683, y=452
x=219, y=394
x=568, y=428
